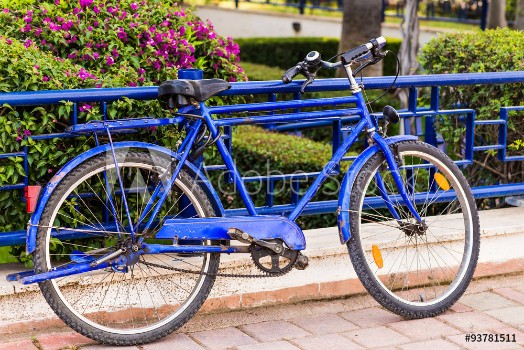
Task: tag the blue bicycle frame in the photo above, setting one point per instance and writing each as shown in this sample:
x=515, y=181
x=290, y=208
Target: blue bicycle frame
x=259, y=227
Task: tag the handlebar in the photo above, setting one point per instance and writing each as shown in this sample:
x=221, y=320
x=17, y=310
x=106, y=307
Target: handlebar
x=313, y=61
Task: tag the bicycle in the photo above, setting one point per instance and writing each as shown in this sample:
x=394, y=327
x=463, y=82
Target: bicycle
x=146, y=236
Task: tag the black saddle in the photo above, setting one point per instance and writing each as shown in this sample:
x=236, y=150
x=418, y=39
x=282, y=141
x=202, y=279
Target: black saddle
x=178, y=92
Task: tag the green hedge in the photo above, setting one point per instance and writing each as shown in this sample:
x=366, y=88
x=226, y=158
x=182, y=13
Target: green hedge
x=489, y=51
x=258, y=151
x=50, y=44
x=286, y=52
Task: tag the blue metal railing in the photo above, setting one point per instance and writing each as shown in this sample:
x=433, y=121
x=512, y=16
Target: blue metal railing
x=338, y=116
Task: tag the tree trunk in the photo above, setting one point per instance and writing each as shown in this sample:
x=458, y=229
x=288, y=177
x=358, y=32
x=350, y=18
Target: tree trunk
x=519, y=15
x=497, y=14
x=360, y=23
x=409, y=65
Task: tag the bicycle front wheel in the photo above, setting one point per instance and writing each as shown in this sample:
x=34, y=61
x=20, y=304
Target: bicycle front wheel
x=85, y=219
x=414, y=270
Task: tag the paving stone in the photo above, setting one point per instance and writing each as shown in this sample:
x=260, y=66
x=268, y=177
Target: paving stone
x=371, y=317
x=19, y=345
x=276, y=345
x=273, y=330
x=377, y=336
x=324, y=324
x=459, y=307
x=512, y=315
x=423, y=329
x=486, y=301
x=519, y=336
x=471, y=321
x=61, y=340
x=108, y=347
x=460, y=340
x=439, y=344
x=177, y=341
x=222, y=338
x=510, y=294
x=326, y=341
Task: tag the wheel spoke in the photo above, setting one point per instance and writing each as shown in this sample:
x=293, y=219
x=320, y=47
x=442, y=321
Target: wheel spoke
x=420, y=264
x=130, y=296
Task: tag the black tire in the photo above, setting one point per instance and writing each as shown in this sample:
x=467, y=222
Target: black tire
x=174, y=297
x=432, y=288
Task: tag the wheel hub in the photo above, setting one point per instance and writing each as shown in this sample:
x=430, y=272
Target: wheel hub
x=411, y=229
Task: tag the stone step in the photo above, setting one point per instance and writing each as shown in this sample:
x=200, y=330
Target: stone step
x=517, y=201
x=329, y=275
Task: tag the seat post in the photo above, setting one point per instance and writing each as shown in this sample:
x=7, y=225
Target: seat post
x=190, y=74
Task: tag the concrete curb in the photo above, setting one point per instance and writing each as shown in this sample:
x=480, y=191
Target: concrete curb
x=314, y=291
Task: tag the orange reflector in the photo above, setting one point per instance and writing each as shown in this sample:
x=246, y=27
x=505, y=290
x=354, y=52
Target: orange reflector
x=442, y=182
x=377, y=256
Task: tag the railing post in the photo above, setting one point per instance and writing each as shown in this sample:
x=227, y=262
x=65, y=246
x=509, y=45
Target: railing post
x=191, y=74
x=301, y=6
x=430, y=134
x=484, y=15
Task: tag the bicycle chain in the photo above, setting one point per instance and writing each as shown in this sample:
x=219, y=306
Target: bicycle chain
x=229, y=275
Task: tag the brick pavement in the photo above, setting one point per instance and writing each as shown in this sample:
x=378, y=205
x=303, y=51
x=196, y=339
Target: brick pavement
x=494, y=305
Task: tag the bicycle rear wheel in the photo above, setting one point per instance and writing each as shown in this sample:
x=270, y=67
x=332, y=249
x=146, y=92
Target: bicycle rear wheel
x=414, y=270
x=85, y=218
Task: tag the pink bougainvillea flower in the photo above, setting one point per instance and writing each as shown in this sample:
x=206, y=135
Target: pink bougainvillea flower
x=110, y=61
x=84, y=107
x=85, y=3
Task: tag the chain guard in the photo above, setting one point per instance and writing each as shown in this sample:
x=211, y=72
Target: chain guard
x=277, y=264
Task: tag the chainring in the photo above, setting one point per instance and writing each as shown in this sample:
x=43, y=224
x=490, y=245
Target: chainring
x=273, y=263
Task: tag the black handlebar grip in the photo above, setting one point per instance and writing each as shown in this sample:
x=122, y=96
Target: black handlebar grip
x=354, y=53
x=292, y=72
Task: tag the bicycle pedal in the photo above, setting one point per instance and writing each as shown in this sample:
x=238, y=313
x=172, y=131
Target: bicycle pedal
x=245, y=237
x=240, y=235
x=302, y=262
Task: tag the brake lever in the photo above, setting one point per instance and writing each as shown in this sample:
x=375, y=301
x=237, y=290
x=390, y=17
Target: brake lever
x=310, y=78
x=377, y=57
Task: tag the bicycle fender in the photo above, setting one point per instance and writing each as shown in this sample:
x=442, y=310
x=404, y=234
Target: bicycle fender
x=53, y=183
x=344, y=230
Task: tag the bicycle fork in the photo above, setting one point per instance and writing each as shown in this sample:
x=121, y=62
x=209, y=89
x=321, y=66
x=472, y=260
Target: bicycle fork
x=395, y=173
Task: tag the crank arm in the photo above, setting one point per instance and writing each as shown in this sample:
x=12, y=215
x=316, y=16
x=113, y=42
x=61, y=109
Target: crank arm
x=244, y=237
